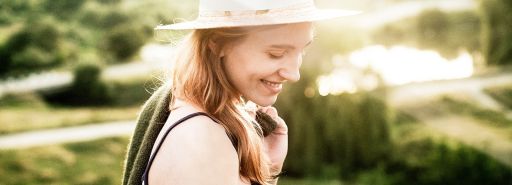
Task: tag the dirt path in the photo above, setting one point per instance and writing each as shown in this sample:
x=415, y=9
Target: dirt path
x=66, y=135
x=490, y=140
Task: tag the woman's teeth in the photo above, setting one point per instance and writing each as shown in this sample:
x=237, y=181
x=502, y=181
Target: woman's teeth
x=273, y=84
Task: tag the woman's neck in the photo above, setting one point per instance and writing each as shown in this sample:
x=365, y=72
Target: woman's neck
x=179, y=102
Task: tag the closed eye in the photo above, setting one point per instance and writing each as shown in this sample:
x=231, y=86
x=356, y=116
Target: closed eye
x=276, y=55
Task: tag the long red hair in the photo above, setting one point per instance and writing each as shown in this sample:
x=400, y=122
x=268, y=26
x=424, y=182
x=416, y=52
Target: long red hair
x=199, y=77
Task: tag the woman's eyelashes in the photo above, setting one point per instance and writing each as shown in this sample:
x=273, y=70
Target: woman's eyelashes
x=276, y=54
x=280, y=54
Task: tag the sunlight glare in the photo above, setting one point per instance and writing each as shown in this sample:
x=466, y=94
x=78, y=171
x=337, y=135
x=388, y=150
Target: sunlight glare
x=397, y=65
x=400, y=65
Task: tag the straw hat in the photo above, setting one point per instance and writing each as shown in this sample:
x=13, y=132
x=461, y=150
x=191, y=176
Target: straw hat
x=235, y=13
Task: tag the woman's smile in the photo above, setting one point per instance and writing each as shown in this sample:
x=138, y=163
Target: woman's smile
x=273, y=87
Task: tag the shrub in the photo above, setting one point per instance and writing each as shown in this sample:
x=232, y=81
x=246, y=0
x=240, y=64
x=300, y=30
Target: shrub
x=18, y=41
x=429, y=162
x=33, y=58
x=4, y=62
x=124, y=41
x=114, y=18
x=13, y=5
x=11, y=9
x=43, y=33
x=87, y=88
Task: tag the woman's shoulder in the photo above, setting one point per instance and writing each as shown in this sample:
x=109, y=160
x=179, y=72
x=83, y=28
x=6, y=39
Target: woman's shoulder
x=198, y=145
x=198, y=126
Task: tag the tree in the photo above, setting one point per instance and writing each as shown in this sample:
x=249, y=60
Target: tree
x=496, y=35
x=433, y=26
x=35, y=47
x=63, y=8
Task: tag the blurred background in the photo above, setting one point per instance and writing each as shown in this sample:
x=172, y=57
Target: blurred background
x=409, y=92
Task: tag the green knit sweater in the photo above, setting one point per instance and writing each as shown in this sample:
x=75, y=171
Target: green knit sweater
x=149, y=123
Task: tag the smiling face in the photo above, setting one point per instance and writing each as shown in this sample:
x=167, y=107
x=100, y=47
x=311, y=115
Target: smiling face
x=269, y=56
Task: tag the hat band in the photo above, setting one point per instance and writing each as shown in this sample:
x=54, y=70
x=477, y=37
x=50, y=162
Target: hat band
x=297, y=7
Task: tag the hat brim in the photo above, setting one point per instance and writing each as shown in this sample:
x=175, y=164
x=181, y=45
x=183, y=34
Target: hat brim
x=222, y=22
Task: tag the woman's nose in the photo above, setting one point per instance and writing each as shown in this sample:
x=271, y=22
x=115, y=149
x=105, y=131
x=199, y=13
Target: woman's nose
x=290, y=71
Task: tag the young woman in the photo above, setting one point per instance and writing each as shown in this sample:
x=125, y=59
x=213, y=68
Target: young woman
x=239, y=53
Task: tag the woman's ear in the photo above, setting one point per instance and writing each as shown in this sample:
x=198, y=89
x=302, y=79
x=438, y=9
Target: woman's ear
x=214, y=47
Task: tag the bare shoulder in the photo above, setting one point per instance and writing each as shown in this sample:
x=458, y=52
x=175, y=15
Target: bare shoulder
x=197, y=151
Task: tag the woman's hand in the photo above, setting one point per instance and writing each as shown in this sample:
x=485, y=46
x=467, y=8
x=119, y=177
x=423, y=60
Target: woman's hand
x=276, y=143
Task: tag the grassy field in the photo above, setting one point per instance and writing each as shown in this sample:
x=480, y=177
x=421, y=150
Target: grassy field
x=295, y=181
x=95, y=162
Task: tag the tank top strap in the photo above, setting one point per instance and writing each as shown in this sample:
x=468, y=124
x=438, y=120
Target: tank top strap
x=153, y=155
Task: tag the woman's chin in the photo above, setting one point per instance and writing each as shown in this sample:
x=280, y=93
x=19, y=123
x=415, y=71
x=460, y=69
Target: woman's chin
x=265, y=101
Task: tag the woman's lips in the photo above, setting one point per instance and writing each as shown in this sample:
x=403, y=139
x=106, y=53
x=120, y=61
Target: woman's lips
x=273, y=87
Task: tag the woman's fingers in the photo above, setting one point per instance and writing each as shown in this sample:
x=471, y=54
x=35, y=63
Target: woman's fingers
x=272, y=112
x=282, y=128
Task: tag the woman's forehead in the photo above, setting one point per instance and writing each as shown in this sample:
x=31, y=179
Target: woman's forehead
x=296, y=35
